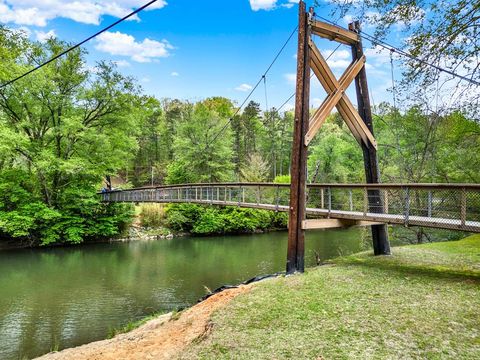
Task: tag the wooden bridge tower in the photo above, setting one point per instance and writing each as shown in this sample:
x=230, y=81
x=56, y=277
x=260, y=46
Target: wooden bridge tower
x=305, y=127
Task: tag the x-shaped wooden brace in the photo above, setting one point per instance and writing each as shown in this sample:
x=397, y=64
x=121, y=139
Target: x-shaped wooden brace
x=337, y=97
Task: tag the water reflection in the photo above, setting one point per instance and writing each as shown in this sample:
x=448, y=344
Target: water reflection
x=58, y=298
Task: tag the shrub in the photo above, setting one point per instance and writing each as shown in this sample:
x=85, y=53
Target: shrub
x=182, y=217
x=205, y=220
x=211, y=221
x=152, y=215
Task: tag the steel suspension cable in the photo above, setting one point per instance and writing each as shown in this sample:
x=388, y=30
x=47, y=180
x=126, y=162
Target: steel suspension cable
x=253, y=89
x=79, y=44
x=387, y=46
x=393, y=81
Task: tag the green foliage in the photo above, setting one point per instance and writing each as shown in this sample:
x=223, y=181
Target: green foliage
x=205, y=220
x=177, y=173
x=182, y=217
x=417, y=147
x=66, y=130
x=255, y=170
x=203, y=154
x=63, y=129
x=443, y=33
x=282, y=179
x=335, y=156
x=210, y=221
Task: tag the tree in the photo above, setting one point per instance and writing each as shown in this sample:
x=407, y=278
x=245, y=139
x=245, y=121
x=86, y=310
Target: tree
x=152, y=150
x=336, y=156
x=256, y=169
x=202, y=146
x=62, y=130
x=251, y=122
x=443, y=33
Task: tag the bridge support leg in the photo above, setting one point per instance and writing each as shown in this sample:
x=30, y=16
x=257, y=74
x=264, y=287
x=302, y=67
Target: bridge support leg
x=296, y=235
x=381, y=245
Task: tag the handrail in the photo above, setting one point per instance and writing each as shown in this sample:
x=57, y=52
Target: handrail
x=448, y=206
x=315, y=185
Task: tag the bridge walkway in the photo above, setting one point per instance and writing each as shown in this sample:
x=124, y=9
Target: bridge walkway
x=444, y=206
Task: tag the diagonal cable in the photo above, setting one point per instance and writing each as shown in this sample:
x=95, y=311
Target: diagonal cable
x=78, y=45
x=253, y=89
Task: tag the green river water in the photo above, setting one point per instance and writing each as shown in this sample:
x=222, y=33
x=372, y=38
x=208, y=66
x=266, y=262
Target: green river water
x=62, y=297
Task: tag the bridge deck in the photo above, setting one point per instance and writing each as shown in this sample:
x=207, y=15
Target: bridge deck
x=455, y=207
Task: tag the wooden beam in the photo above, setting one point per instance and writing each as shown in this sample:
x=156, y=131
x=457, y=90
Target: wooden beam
x=345, y=106
x=333, y=98
x=342, y=109
x=381, y=245
x=334, y=223
x=297, y=205
x=334, y=33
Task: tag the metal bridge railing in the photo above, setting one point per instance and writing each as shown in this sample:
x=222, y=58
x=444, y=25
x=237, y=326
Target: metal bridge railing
x=447, y=206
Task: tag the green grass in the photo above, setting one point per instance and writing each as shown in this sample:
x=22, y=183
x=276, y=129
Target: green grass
x=423, y=302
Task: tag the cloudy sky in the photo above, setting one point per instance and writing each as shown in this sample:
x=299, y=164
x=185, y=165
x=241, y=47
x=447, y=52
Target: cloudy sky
x=193, y=49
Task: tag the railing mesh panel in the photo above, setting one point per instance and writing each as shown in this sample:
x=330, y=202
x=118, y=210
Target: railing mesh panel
x=447, y=207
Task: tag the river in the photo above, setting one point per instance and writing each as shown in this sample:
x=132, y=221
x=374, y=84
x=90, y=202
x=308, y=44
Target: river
x=62, y=297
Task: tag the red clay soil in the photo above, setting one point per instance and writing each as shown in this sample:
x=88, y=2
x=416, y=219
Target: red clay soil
x=161, y=338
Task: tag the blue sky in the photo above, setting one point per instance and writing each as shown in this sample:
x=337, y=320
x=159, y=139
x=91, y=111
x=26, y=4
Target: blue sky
x=193, y=49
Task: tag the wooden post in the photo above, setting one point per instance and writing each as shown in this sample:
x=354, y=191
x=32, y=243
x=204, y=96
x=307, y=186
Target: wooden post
x=381, y=245
x=296, y=235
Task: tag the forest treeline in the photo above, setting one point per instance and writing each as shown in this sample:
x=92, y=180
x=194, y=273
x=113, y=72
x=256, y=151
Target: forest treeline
x=66, y=128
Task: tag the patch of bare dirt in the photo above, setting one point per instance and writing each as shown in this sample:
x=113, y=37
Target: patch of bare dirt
x=161, y=338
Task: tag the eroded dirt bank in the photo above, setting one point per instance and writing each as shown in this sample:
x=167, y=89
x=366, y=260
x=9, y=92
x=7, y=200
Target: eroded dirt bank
x=161, y=338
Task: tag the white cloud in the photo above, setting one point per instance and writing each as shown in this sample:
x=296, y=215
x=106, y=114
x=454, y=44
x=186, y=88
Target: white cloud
x=39, y=13
x=339, y=59
x=44, y=36
x=174, y=74
x=379, y=56
x=289, y=107
x=291, y=3
x=262, y=4
x=122, y=63
x=244, y=87
x=117, y=43
x=145, y=80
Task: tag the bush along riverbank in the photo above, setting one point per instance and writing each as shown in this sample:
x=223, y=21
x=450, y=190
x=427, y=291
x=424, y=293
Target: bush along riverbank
x=202, y=220
x=421, y=302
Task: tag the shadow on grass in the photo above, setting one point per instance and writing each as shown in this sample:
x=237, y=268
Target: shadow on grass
x=431, y=271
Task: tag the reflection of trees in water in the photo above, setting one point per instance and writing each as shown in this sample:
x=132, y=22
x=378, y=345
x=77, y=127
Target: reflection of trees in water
x=70, y=296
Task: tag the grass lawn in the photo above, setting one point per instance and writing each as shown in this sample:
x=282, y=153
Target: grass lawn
x=423, y=302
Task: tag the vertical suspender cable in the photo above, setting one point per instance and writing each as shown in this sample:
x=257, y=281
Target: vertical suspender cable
x=393, y=82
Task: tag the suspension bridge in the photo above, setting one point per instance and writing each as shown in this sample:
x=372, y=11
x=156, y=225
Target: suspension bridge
x=443, y=206
x=317, y=206
x=311, y=206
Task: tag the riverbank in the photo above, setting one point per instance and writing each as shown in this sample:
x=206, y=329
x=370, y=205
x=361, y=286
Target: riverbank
x=421, y=302
x=163, y=338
